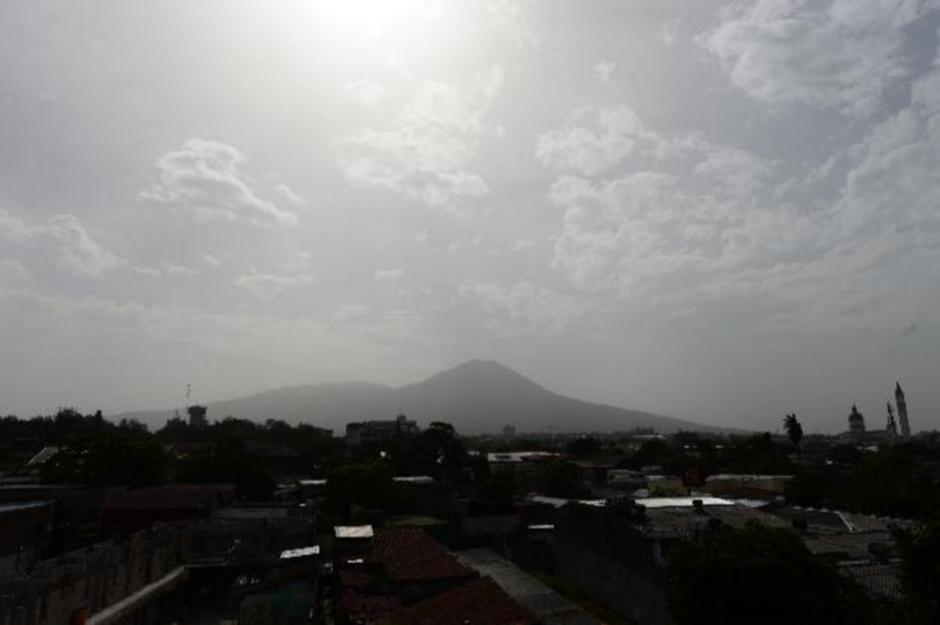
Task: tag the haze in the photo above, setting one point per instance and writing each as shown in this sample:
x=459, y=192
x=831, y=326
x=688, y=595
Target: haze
x=719, y=211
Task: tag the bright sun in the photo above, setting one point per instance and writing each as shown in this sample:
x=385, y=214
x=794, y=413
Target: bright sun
x=380, y=24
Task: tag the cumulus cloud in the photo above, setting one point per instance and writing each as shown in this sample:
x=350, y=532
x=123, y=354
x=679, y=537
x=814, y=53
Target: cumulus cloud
x=589, y=150
x=78, y=252
x=692, y=212
x=211, y=260
x=742, y=171
x=14, y=275
x=12, y=227
x=425, y=157
x=604, y=70
x=65, y=238
x=710, y=223
x=205, y=178
x=522, y=308
x=840, y=54
x=268, y=286
x=366, y=93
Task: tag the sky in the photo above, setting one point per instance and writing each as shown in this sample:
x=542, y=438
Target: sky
x=721, y=211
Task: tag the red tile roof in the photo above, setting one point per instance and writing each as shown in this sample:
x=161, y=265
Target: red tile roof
x=356, y=578
x=479, y=602
x=368, y=608
x=409, y=555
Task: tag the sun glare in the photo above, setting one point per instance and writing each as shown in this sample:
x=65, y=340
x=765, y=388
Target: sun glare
x=388, y=25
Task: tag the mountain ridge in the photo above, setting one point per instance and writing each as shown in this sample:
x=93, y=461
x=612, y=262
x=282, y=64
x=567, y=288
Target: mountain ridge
x=476, y=396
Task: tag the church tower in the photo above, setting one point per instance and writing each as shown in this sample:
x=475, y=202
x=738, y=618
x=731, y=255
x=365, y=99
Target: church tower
x=902, y=411
x=856, y=422
x=891, y=427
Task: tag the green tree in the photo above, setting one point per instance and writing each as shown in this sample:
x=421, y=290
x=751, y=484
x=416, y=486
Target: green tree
x=920, y=571
x=758, y=575
x=583, y=446
x=496, y=494
x=793, y=429
x=367, y=484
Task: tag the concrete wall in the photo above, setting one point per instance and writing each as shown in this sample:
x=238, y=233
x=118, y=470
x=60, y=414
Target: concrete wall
x=605, y=556
x=91, y=579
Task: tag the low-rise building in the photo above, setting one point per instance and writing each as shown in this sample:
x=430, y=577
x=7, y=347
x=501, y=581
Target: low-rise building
x=365, y=432
x=406, y=577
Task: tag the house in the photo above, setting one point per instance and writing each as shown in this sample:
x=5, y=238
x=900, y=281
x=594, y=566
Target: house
x=596, y=471
x=129, y=510
x=408, y=578
x=861, y=546
x=479, y=602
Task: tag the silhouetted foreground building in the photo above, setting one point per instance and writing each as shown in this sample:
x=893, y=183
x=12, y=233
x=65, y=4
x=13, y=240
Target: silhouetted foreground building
x=129, y=510
x=25, y=531
x=89, y=581
x=244, y=563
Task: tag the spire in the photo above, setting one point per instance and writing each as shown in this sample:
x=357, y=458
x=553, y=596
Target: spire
x=891, y=427
x=900, y=400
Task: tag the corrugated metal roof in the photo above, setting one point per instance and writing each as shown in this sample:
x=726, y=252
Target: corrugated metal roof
x=559, y=501
x=353, y=531
x=682, y=502
x=21, y=505
x=300, y=552
x=414, y=479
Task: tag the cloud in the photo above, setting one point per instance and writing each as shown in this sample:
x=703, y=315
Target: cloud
x=692, y=210
x=522, y=308
x=711, y=225
x=604, y=70
x=743, y=172
x=841, y=54
x=388, y=274
x=12, y=227
x=513, y=18
x=171, y=269
x=366, y=93
x=211, y=260
x=78, y=252
x=591, y=150
x=426, y=156
x=150, y=272
x=289, y=194
x=204, y=178
x=14, y=275
x=350, y=312
x=269, y=286
x=166, y=269
x=669, y=31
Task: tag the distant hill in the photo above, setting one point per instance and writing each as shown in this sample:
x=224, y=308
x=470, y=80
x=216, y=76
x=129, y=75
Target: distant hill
x=478, y=396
